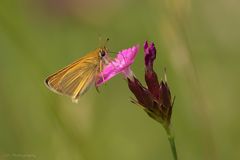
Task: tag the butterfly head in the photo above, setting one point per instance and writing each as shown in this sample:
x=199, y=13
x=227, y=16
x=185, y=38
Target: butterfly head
x=102, y=53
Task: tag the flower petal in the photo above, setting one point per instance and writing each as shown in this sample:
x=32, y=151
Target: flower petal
x=150, y=75
x=121, y=64
x=150, y=55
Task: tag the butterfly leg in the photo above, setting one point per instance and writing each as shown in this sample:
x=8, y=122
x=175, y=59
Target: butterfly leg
x=100, y=69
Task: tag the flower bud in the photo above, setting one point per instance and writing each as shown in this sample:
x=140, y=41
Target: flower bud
x=156, y=98
x=150, y=55
x=150, y=75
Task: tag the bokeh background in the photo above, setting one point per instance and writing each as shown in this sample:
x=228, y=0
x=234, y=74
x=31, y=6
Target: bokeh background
x=197, y=41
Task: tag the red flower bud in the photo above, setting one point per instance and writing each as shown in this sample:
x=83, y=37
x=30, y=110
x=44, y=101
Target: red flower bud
x=156, y=99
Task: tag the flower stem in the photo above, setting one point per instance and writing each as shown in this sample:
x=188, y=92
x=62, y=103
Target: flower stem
x=172, y=143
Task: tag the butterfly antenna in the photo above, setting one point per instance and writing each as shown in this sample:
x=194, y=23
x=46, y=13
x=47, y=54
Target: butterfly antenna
x=112, y=52
x=99, y=40
x=106, y=42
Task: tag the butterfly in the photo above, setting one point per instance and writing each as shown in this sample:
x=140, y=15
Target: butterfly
x=75, y=79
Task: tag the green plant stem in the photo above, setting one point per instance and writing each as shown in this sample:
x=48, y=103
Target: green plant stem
x=172, y=143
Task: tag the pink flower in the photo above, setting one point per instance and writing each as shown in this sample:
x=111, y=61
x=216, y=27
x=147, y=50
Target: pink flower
x=155, y=98
x=121, y=64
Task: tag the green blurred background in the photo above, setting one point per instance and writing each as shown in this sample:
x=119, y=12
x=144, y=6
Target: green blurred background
x=197, y=41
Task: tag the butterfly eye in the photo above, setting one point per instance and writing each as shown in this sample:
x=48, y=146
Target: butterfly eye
x=102, y=53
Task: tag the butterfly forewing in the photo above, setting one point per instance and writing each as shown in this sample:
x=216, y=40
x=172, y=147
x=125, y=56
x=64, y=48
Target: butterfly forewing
x=76, y=78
